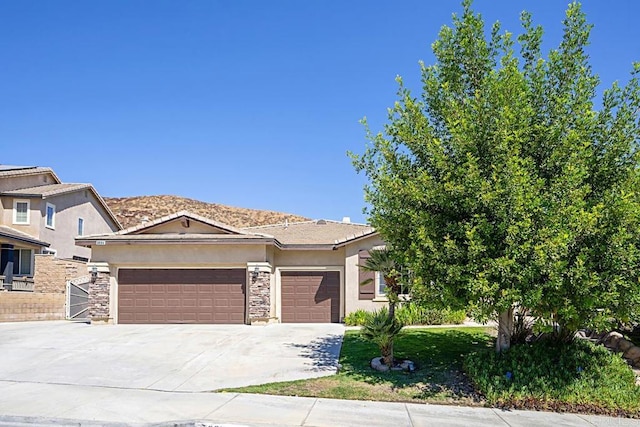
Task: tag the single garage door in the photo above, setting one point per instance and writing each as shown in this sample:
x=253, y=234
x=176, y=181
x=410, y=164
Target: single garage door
x=310, y=296
x=181, y=296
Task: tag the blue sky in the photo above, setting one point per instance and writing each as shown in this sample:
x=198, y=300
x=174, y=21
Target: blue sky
x=245, y=103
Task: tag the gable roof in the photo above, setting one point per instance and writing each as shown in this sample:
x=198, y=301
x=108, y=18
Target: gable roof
x=44, y=191
x=10, y=170
x=319, y=232
x=137, y=229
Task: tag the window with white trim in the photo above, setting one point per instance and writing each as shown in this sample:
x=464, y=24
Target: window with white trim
x=21, y=211
x=50, y=221
x=80, y=226
x=381, y=287
x=22, y=262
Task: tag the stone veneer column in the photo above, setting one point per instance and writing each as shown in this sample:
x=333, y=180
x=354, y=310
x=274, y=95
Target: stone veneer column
x=99, y=292
x=259, y=292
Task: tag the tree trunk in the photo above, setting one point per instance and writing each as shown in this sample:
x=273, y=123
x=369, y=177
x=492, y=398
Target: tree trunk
x=387, y=355
x=392, y=311
x=505, y=330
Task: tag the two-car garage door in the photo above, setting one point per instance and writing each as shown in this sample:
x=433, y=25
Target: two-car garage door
x=181, y=295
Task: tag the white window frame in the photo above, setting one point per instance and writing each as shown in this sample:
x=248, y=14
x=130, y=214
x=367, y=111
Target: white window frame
x=53, y=216
x=80, y=226
x=15, y=211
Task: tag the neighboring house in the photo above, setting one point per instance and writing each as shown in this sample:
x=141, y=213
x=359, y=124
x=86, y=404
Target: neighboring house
x=41, y=215
x=185, y=268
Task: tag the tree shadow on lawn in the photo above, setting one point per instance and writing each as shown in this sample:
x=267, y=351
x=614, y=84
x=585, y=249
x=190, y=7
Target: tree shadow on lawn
x=437, y=353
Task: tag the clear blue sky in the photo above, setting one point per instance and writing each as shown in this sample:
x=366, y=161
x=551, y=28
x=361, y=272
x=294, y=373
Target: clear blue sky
x=246, y=103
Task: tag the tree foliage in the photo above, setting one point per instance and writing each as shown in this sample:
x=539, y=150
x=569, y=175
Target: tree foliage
x=503, y=185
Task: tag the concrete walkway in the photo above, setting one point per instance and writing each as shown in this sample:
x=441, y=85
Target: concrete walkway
x=31, y=404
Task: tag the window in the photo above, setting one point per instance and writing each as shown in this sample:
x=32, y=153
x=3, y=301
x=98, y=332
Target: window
x=51, y=216
x=22, y=262
x=21, y=212
x=80, y=226
x=381, y=288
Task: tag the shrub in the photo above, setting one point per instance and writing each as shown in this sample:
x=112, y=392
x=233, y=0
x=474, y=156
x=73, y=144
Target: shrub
x=411, y=314
x=556, y=376
x=382, y=331
x=357, y=318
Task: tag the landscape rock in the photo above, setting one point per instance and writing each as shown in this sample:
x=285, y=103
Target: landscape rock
x=624, y=345
x=378, y=364
x=632, y=353
x=612, y=339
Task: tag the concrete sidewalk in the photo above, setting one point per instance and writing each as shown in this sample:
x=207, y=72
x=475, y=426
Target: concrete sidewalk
x=23, y=404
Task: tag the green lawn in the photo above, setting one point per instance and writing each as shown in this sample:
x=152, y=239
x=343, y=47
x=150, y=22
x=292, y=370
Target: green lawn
x=437, y=352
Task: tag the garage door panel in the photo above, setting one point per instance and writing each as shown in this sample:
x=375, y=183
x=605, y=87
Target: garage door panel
x=310, y=297
x=181, y=296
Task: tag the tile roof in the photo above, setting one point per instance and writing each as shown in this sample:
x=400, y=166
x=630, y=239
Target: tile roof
x=14, y=234
x=46, y=190
x=9, y=170
x=320, y=232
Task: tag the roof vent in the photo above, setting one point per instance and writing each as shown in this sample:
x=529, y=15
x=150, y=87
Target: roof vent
x=321, y=222
x=346, y=219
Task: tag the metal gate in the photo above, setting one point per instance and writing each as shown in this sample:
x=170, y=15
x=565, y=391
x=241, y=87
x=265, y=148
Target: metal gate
x=78, y=298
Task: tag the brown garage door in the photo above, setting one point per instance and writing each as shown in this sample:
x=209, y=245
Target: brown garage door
x=181, y=296
x=310, y=296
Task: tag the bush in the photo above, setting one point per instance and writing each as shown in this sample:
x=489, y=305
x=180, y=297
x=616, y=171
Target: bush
x=382, y=331
x=555, y=376
x=411, y=314
x=357, y=318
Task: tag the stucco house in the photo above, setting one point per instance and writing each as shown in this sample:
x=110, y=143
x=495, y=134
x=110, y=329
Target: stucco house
x=39, y=214
x=184, y=268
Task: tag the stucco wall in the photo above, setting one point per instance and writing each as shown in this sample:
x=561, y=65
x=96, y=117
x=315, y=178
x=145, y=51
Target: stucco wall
x=18, y=182
x=178, y=255
x=70, y=207
x=178, y=226
x=35, y=215
x=352, y=303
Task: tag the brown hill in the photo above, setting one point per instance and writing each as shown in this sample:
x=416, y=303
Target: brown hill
x=131, y=210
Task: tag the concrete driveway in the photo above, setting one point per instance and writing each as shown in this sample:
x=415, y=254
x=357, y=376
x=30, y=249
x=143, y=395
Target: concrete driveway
x=182, y=358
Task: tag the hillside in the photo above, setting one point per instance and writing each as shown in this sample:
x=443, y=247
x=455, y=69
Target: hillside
x=131, y=210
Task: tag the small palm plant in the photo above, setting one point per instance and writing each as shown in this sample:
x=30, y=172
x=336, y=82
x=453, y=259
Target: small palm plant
x=382, y=331
x=382, y=261
x=383, y=327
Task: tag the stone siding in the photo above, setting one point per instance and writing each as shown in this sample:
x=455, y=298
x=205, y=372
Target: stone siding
x=99, y=298
x=260, y=297
x=51, y=273
x=23, y=306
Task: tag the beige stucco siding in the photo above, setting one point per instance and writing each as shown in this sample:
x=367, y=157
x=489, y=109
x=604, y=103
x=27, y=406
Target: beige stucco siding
x=178, y=255
x=69, y=208
x=352, y=303
x=182, y=226
x=33, y=228
x=288, y=258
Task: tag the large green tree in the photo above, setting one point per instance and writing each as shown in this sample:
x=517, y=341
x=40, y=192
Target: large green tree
x=504, y=186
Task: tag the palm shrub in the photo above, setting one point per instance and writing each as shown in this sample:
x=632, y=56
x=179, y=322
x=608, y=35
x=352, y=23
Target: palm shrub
x=382, y=331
